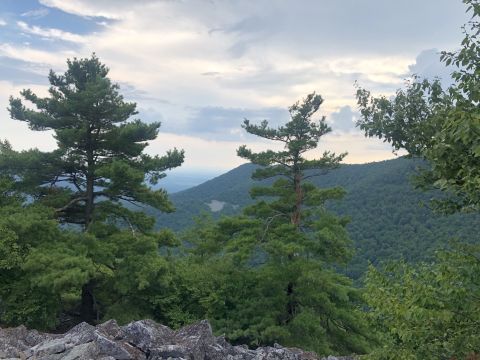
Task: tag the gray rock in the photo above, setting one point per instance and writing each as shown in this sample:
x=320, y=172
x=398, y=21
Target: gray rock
x=147, y=334
x=198, y=339
x=111, y=328
x=16, y=342
x=85, y=351
x=55, y=346
x=111, y=348
x=139, y=340
x=170, y=352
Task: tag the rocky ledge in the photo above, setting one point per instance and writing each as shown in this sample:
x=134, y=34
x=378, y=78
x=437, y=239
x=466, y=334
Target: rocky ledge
x=144, y=340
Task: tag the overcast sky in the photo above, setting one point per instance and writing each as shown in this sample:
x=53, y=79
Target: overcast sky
x=202, y=66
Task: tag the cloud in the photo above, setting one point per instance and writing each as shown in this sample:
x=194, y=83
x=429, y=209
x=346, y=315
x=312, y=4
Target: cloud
x=17, y=132
x=220, y=123
x=428, y=65
x=214, y=123
x=200, y=154
x=308, y=28
x=98, y=8
x=21, y=72
x=357, y=145
x=38, y=57
x=48, y=33
x=200, y=66
x=234, y=54
x=36, y=14
x=132, y=93
x=343, y=120
x=3, y=22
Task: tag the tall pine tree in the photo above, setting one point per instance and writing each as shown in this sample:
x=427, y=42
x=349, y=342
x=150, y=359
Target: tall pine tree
x=274, y=276
x=300, y=238
x=100, y=150
x=99, y=165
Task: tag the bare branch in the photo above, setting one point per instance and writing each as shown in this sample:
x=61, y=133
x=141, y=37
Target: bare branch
x=71, y=203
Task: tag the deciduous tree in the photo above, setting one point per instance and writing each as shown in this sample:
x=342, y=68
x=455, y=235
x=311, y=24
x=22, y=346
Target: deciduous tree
x=430, y=311
x=440, y=125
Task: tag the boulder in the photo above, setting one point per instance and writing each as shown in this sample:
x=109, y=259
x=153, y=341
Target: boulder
x=139, y=340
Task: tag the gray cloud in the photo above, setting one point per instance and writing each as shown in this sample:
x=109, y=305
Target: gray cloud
x=308, y=27
x=149, y=115
x=238, y=49
x=216, y=122
x=312, y=27
x=268, y=76
x=248, y=25
x=211, y=73
x=219, y=123
x=343, y=120
x=132, y=93
x=20, y=72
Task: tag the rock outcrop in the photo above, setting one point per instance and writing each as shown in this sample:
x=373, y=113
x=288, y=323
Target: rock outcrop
x=143, y=340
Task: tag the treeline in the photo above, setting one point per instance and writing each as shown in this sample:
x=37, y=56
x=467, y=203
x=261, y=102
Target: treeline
x=70, y=250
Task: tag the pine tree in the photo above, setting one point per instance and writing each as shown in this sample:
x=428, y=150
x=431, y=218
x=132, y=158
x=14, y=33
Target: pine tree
x=100, y=152
x=300, y=238
x=278, y=281
x=99, y=166
x=299, y=135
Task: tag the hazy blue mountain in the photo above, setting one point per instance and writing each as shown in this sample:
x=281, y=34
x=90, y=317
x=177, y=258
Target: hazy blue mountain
x=176, y=181
x=389, y=218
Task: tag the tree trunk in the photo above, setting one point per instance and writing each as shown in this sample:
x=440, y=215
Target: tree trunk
x=295, y=218
x=90, y=177
x=291, y=304
x=90, y=199
x=87, y=305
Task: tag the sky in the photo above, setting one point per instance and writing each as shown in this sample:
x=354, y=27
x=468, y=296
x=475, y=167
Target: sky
x=202, y=66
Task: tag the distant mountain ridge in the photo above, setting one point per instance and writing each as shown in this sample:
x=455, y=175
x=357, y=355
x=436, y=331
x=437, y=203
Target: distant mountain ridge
x=386, y=212
x=177, y=181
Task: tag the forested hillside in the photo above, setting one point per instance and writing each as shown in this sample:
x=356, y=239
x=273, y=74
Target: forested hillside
x=389, y=218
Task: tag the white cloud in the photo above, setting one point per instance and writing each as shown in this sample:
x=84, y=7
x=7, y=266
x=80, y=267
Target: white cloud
x=44, y=59
x=49, y=33
x=104, y=8
x=165, y=47
x=360, y=149
x=3, y=22
x=17, y=132
x=37, y=13
x=200, y=154
x=204, y=155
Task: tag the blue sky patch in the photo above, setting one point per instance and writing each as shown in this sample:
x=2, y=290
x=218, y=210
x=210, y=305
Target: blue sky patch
x=34, y=13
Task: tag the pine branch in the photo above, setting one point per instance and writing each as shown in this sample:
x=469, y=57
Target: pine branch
x=71, y=203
